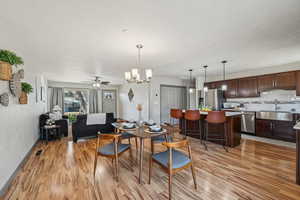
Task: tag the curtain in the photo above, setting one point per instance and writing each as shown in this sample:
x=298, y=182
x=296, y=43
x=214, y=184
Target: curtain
x=93, y=101
x=56, y=98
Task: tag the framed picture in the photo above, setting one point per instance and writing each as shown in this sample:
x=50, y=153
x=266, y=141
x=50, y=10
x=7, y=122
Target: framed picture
x=108, y=95
x=40, y=89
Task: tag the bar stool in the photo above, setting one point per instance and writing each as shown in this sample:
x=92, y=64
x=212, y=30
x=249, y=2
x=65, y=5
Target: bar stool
x=216, y=118
x=193, y=115
x=176, y=115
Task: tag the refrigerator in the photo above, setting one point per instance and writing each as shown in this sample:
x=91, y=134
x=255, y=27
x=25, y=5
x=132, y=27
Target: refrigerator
x=214, y=99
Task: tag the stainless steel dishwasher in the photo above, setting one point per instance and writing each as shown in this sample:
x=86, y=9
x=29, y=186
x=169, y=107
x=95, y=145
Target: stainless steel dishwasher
x=248, y=122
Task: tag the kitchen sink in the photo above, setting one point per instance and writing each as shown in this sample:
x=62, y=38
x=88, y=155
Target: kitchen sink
x=275, y=115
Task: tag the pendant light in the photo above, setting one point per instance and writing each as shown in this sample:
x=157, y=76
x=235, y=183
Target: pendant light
x=191, y=90
x=205, y=89
x=134, y=76
x=224, y=85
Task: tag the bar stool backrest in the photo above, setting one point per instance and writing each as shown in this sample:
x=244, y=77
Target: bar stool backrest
x=216, y=117
x=176, y=113
x=192, y=115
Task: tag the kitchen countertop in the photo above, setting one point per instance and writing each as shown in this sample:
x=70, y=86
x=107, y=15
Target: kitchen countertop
x=238, y=110
x=297, y=126
x=228, y=114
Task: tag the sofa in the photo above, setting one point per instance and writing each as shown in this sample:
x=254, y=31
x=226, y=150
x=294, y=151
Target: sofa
x=81, y=130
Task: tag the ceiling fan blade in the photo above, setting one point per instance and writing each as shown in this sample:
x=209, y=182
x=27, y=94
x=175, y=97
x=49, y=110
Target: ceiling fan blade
x=89, y=82
x=105, y=82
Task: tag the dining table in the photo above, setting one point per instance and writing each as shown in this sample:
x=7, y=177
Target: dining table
x=142, y=132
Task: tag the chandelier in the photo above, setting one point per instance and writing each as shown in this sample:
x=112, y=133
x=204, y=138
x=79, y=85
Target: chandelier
x=134, y=76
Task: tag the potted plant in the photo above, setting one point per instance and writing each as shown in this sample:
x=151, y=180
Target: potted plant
x=72, y=118
x=7, y=59
x=26, y=89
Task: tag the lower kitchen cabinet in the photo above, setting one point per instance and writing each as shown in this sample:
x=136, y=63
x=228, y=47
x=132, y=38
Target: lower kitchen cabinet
x=263, y=128
x=281, y=130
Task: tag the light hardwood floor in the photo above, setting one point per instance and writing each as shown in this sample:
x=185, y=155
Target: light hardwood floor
x=64, y=170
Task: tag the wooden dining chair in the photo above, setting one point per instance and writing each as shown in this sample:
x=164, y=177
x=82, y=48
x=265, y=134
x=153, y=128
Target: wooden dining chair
x=173, y=161
x=126, y=135
x=112, y=150
x=168, y=137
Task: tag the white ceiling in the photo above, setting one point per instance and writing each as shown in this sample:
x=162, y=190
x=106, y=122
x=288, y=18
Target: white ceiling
x=70, y=40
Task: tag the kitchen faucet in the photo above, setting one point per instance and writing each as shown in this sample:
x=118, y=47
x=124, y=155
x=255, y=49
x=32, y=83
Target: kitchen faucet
x=276, y=102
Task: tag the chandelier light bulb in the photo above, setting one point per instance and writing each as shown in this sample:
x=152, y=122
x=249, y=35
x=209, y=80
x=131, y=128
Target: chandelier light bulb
x=127, y=76
x=148, y=74
x=134, y=73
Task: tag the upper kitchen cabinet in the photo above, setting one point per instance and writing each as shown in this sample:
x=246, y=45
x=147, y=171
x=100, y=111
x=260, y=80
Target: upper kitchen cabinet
x=214, y=85
x=232, y=86
x=285, y=80
x=298, y=83
x=247, y=87
x=265, y=83
x=253, y=86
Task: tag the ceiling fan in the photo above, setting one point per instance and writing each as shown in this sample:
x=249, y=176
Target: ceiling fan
x=96, y=83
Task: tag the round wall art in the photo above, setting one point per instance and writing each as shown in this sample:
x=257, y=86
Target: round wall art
x=15, y=85
x=4, y=99
x=21, y=73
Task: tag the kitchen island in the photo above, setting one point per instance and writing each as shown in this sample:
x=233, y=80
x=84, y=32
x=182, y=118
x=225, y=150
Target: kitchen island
x=297, y=128
x=233, y=127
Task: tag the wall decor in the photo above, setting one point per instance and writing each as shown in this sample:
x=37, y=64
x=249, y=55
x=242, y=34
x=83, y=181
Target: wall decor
x=4, y=99
x=130, y=94
x=40, y=89
x=21, y=73
x=15, y=85
x=5, y=71
x=7, y=59
x=26, y=89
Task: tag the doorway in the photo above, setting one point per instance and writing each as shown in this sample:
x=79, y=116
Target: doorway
x=109, y=101
x=171, y=97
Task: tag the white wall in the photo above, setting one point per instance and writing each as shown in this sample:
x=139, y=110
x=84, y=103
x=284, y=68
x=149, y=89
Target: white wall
x=141, y=92
x=86, y=86
x=18, y=130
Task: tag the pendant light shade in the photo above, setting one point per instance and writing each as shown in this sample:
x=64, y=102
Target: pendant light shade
x=224, y=85
x=191, y=90
x=205, y=89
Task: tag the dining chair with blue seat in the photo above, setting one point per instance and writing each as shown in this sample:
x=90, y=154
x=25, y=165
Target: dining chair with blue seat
x=162, y=138
x=173, y=161
x=126, y=135
x=114, y=149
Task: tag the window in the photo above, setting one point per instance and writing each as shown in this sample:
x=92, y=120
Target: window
x=75, y=100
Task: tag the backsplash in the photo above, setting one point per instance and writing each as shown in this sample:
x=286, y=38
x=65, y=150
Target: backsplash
x=286, y=100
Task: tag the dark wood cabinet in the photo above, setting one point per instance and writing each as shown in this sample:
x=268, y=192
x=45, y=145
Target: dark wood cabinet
x=298, y=83
x=263, y=128
x=265, y=83
x=247, y=87
x=253, y=86
x=285, y=80
x=281, y=130
x=232, y=86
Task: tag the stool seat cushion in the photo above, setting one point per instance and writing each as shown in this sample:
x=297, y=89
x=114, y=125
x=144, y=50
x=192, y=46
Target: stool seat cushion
x=161, y=138
x=179, y=159
x=109, y=149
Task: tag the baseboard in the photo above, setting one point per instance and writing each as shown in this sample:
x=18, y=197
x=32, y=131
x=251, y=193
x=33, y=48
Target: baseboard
x=4, y=189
